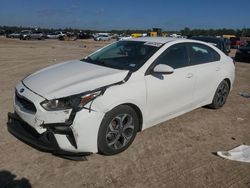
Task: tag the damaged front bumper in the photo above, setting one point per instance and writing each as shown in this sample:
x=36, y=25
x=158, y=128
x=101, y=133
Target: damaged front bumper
x=45, y=141
x=73, y=132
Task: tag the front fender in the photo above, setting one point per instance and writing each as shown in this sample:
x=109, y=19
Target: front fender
x=133, y=91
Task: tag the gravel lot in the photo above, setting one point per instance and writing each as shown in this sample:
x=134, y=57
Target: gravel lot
x=176, y=153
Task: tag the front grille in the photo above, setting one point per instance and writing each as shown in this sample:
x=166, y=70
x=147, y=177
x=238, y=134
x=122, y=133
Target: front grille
x=25, y=103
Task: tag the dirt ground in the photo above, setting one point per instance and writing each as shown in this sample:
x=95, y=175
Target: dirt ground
x=176, y=153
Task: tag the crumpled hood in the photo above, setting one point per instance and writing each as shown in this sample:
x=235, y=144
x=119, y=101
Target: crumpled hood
x=72, y=77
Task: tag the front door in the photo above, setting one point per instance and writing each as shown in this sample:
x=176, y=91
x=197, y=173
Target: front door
x=169, y=94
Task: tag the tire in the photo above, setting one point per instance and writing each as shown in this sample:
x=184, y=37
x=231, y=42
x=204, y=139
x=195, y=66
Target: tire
x=220, y=96
x=118, y=130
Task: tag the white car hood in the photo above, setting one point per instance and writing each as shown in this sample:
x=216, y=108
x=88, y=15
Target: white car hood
x=72, y=77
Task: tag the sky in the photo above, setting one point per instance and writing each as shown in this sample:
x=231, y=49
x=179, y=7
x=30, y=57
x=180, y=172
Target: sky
x=129, y=14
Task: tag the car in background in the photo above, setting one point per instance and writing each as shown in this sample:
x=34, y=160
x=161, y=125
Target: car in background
x=55, y=35
x=236, y=42
x=102, y=38
x=243, y=53
x=83, y=35
x=227, y=44
x=25, y=35
x=28, y=34
x=218, y=42
x=13, y=35
x=37, y=35
x=100, y=103
x=124, y=37
x=2, y=32
x=69, y=36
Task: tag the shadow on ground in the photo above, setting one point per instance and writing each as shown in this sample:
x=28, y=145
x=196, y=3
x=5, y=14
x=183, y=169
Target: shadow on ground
x=8, y=180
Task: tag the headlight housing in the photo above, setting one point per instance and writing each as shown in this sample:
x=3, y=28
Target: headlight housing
x=75, y=101
x=56, y=104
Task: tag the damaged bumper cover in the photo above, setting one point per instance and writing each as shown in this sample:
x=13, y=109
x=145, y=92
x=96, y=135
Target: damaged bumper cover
x=46, y=141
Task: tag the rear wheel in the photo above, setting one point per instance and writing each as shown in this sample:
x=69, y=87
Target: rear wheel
x=220, y=96
x=118, y=130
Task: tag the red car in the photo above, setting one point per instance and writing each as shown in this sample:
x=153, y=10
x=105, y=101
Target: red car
x=236, y=42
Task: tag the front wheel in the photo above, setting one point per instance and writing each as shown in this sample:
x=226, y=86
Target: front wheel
x=220, y=96
x=118, y=130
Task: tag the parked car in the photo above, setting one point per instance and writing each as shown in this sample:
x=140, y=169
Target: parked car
x=56, y=35
x=218, y=42
x=227, y=45
x=13, y=35
x=83, y=35
x=236, y=42
x=243, y=53
x=38, y=35
x=69, y=36
x=27, y=35
x=99, y=103
x=124, y=37
x=2, y=32
x=102, y=38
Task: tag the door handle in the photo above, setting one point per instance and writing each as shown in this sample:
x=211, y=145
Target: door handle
x=189, y=75
x=217, y=68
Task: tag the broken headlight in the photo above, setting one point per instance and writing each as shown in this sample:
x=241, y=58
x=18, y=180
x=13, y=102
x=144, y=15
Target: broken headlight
x=75, y=101
x=56, y=104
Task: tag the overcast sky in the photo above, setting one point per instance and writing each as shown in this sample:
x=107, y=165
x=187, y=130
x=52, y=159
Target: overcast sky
x=129, y=14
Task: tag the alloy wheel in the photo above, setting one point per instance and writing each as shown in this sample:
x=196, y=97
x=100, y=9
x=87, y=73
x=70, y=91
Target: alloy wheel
x=222, y=94
x=120, y=131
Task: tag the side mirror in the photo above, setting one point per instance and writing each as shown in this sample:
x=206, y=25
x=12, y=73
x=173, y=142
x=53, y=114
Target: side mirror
x=163, y=69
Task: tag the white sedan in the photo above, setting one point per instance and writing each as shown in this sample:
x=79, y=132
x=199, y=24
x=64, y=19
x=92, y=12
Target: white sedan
x=103, y=38
x=99, y=103
x=56, y=35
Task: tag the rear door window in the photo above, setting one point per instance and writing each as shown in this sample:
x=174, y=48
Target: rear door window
x=200, y=54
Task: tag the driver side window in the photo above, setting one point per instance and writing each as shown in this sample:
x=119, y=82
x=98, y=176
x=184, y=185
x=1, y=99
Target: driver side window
x=175, y=56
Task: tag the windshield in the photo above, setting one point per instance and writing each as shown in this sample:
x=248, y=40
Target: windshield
x=124, y=55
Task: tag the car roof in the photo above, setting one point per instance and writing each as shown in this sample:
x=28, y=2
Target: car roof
x=164, y=40
x=155, y=39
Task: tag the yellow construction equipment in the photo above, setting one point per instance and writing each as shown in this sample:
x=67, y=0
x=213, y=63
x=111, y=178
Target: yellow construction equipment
x=153, y=34
x=228, y=36
x=136, y=35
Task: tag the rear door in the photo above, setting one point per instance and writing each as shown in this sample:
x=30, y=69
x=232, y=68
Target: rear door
x=169, y=94
x=208, y=70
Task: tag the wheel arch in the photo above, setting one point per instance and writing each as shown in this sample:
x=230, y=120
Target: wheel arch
x=106, y=105
x=228, y=82
x=138, y=112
